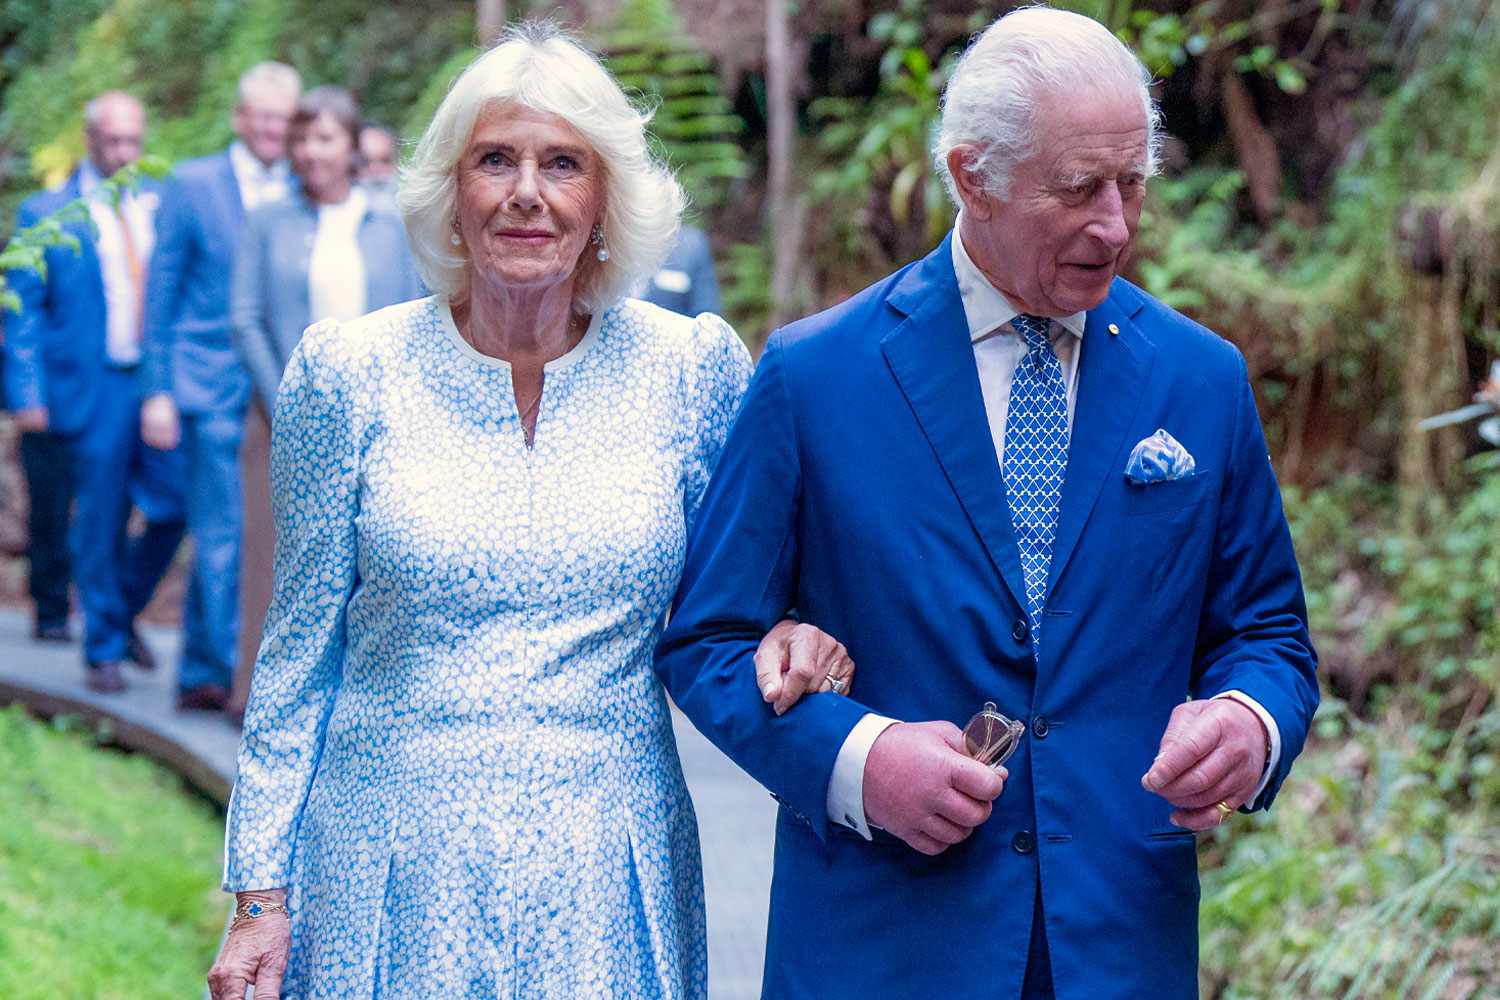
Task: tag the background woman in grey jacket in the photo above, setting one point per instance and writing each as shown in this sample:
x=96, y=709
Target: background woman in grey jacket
x=328, y=251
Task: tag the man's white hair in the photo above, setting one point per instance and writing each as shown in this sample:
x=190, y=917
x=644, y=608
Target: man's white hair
x=93, y=111
x=269, y=77
x=991, y=101
x=538, y=67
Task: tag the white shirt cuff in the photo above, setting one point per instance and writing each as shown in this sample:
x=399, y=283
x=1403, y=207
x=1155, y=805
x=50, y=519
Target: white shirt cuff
x=846, y=788
x=1273, y=752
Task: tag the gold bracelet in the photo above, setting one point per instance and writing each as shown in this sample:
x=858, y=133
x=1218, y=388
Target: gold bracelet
x=254, y=909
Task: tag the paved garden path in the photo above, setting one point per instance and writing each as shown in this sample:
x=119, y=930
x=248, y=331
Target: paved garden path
x=735, y=816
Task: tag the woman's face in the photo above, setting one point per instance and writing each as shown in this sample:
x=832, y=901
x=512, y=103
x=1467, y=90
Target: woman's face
x=530, y=190
x=323, y=157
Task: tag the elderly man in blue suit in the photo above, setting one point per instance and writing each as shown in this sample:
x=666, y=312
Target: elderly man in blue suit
x=1003, y=475
x=197, y=389
x=72, y=357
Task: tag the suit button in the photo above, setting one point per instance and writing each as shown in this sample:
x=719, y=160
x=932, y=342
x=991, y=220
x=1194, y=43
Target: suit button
x=1023, y=842
x=1020, y=631
x=1039, y=727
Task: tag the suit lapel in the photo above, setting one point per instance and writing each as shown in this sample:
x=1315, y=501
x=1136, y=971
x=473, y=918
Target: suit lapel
x=84, y=231
x=233, y=202
x=1113, y=374
x=932, y=359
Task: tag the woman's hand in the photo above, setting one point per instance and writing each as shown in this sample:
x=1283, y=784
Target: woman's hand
x=794, y=658
x=254, y=952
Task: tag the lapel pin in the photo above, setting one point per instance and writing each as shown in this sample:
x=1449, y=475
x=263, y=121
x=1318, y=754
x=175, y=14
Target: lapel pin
x=1114, y=330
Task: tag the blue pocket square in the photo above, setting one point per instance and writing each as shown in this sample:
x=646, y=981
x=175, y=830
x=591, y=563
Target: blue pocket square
x=1159, y=458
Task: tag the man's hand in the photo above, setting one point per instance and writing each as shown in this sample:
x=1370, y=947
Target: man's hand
x=32, y=420
x=1213, y=751
x=921, y=786
x=794, y=659
x=160, y=427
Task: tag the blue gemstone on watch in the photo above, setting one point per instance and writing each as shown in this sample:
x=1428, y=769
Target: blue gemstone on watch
x=254, y=909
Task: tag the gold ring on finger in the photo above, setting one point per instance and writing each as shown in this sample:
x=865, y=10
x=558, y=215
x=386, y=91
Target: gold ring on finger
x=1225, y=810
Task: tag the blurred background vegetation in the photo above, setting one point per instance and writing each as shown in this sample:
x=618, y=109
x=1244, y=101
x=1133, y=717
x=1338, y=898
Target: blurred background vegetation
x=1330, y=203
x=109, y=871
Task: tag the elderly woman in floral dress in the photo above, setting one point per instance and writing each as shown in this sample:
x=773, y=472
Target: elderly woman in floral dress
x=458, y=776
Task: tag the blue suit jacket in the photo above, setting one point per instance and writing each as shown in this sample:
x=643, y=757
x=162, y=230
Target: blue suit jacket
x=860, y=486
x=54, y=350
x=187, y=348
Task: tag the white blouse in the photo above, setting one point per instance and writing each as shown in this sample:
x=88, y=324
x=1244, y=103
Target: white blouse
x=336, y=273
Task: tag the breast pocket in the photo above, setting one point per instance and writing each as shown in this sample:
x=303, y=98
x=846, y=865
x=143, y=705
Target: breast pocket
x=1165, y=498
x=1167, y=521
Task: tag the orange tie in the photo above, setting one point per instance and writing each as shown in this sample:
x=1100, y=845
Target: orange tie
x=137, y=271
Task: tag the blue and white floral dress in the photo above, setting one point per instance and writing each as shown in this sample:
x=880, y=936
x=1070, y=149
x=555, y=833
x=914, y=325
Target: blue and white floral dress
x=456, y=755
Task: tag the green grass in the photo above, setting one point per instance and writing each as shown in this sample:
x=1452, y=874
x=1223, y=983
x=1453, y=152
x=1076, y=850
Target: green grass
x=109, y=871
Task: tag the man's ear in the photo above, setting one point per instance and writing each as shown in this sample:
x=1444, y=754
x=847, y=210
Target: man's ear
x=978, y=203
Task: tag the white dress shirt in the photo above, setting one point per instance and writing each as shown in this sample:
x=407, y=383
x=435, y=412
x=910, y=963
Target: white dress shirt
x=258, y=182
x=336, y=270
x=131, y=229
x=998, y=349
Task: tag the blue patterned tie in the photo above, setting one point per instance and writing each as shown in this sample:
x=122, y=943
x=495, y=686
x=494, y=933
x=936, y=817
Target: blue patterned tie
x=1036, y=455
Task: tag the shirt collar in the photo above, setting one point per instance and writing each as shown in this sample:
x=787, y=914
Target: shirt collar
x=985, y=307
x=89, y=178
x=245, y=163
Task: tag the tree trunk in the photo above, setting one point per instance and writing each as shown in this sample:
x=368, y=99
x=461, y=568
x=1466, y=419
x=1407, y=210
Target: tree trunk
x=489, y=20
x=784, y=216
x=1253, y=145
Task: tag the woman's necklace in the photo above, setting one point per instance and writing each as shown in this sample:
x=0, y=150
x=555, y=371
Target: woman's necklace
x=531, y=407
x=575, y=321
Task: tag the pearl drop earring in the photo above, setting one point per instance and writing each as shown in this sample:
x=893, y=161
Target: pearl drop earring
x=456, y=239
x=597, y=239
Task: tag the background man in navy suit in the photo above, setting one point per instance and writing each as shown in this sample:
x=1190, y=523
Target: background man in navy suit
x=197, y=389
x=944, y=473
x=71, y=374
x=686, y=283
x=49, y=488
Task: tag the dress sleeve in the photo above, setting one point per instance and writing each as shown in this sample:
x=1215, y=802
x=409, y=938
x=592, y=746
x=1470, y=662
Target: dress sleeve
x=715, y=376
x=315, y=498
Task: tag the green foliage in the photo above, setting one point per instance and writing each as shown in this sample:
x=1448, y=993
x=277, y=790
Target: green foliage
x=695, y=127
x=156, y=51
x=426, y=104
x=385, y=53
x=1373, y=877
x=746, y=289
x=1447, y=585
x=184, y=60
x=884, y=146
x=874, y=171
x=1166, y=41
x=108, y=871
x=27, y=249
x=32, y=30
x=1376, y=874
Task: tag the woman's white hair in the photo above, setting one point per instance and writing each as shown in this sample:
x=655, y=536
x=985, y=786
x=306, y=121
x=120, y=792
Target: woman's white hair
x=991, y=101
x=536, y=66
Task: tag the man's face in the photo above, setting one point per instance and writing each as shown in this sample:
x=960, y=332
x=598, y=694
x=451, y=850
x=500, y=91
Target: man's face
x=116, y=138
x=378, y=151
x=1055, y=243
x=261, y=120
